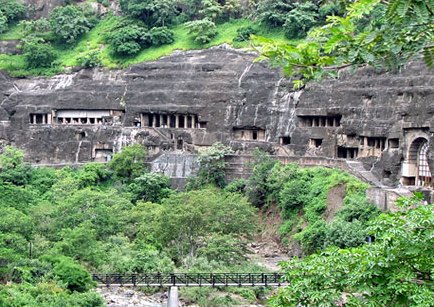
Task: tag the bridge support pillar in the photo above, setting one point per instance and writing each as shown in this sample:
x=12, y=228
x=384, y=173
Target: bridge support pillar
x=173, y=300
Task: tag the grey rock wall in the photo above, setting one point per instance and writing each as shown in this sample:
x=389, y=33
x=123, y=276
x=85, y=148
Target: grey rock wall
x=373, y=118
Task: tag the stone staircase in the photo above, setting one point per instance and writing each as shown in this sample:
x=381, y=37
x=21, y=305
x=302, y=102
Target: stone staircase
x=357, y=168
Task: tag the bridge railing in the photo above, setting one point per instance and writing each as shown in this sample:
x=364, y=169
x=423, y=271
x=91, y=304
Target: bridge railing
x=190, y=279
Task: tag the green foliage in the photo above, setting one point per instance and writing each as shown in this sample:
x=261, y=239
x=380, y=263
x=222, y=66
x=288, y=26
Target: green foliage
x=155, y=13
x=389, y=42
x=150, y=187
x=186, y=219
x=3, y=23
x=74, y=276
x=12, y=166
x=203, y=30
x=244, y=33
x=128, y=38
x=161, y=36
x=68, y=23
x=37, y=53
x=395, y=270
x=12, y=10
x=129, y=163
x=274, y=13
x=257, y=189
x=46, y=294
x=300, y=19
x=91, y=59
x=211, y=167
x=211, y=9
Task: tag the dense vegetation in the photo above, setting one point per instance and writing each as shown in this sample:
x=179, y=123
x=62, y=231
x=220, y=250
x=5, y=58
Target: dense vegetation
x=382, y=34
x=77, y=34
x=58, y=225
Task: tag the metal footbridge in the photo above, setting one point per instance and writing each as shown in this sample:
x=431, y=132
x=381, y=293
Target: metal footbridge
x=190, y=279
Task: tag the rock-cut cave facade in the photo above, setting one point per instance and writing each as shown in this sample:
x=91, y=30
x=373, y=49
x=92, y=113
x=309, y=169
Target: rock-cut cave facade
x=181, y=104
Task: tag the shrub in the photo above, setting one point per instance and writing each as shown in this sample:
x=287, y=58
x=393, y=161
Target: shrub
x=128, y=39
x=90, y=59
x=203, y=30
x=243, y=34
x=73, y=275
x=38, y=54
x=150, y=187
x=161, y=36
x=129, y=163
x=12, y=10
x=3, y=23
x=300, y=20
x=68, y=23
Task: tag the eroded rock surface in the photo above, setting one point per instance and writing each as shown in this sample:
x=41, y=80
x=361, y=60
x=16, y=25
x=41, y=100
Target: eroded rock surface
x=190, y=100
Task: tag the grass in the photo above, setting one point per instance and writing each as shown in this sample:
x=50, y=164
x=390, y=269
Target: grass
x=14, y=32
x=94, y=40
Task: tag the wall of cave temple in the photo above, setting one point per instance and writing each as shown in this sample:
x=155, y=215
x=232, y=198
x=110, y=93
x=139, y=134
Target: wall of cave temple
x=188, y=101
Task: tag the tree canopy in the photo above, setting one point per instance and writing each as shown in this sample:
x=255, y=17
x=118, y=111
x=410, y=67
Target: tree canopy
x=371, y=32
x=396, y=270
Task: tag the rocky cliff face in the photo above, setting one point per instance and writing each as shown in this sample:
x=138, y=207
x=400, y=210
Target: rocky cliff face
x=191, y=100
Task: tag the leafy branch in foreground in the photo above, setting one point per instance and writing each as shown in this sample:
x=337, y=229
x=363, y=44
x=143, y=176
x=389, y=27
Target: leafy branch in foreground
x=373, y=32
x=396, y=270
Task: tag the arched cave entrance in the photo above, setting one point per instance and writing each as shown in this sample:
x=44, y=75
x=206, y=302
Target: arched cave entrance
x=416, y=170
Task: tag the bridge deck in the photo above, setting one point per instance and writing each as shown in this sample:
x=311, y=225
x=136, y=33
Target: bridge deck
x=190, y=279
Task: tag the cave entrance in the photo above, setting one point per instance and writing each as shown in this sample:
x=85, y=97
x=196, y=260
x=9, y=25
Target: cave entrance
x=416, y=170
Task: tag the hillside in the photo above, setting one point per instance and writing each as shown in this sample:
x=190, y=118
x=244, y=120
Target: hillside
x=114, y=35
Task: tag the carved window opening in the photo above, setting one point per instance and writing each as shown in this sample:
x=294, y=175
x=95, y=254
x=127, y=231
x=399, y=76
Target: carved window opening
x=40, y=119
x=347, y=152
x=165, y=120
x=415, y=169
x=180, y=144
x=202, y=125
x=320, y=121
x=375, y=142
x=393, y=143
x=285, y=140
x=254, y=135
x=249, y=134
x=81, y=135
x=315, y=143
x=88, y=117
x=103, y=155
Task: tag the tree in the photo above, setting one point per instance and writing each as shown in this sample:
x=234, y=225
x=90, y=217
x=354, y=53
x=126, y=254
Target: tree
x=211, y=166
x=68, y=23
x=300, y=20
x=203, y=30
x=396, y=270
x=12, y=166
x=188, y=219
x=128, y=39
x=12, y=10
x=37, y=53
x=129, y=163
x=274, y=13
x=404, y=31
x=150, y=187
x=154, y=13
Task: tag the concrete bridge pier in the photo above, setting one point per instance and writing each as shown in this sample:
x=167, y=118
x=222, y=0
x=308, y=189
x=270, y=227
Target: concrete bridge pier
x=173, y=300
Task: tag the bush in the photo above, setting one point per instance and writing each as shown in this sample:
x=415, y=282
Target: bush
x=38, y=54
x=12, y=10
x=128, y=39
x=3, y=23
x=68, y=23
x=243, y=34
x=129, y=163
x=161, y=36
x=203, y=30
x=91, y=59
x=150, y=187
x=74, y=276
x=300, y=20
